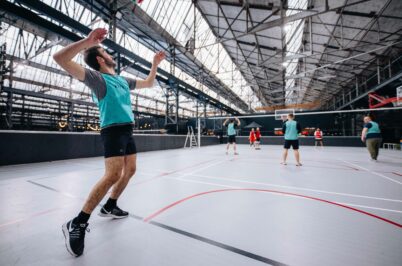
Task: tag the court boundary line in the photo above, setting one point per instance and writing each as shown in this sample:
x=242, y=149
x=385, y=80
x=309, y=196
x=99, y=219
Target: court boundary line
x=297, y=188
x=372, y=172
x=227, y=186
x=178, y=202
x=160, y=225
x=219, y=244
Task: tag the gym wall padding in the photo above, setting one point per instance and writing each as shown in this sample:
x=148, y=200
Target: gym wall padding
x=18, y=147
x=307, y=141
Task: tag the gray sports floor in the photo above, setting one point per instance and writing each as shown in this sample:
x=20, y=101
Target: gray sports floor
x=201, y=207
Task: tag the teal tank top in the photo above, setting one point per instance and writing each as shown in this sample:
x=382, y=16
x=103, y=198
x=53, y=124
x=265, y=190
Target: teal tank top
x=115, y=107
x=291, y=130
x=374, y=131
x=231, y=129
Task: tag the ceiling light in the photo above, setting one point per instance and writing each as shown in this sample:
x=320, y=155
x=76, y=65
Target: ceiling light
x=19, y=68
x=287, y=28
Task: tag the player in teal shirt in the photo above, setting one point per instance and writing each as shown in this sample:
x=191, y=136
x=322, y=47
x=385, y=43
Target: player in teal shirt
x=371, y=135
x=291, y=130
x=232, y=133
x=111, y=92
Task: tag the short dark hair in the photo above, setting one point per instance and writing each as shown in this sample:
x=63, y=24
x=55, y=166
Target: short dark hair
x=291, y=115
x=90, y=55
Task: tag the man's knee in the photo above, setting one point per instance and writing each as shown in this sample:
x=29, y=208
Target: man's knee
x=112, y=177
x=130, y=171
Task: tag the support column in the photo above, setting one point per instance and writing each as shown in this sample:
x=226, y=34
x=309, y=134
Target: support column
x=343, y=98
x=3, y=67
x=112, y=22
x=196, y=109
x=357, y=86
x=70, y=117
x=22, y=121
x=177, y=110
x=389, y=68
x=167, y=108
x=310, y=26
x=9, y=110
x=378, y=71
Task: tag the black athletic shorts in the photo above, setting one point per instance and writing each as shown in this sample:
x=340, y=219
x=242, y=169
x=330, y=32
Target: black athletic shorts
x=318, y=140
x=232, y=139
x=258, y=139
x=293, y=143
x=118, y=140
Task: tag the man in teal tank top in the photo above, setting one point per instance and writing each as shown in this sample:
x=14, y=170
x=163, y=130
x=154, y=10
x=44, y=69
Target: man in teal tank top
x=291, y=130
x=111, y=92
x=232, y=133
x=371, y=134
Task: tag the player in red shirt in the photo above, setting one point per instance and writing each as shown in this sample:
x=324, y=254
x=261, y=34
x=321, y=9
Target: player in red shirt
x=257, y=139
x=252, y=137
x=318, y=137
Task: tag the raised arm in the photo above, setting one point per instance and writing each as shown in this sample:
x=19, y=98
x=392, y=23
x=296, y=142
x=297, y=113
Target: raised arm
x=238, y=121
x=224, y=123
x=149, y=81
x=64, y=57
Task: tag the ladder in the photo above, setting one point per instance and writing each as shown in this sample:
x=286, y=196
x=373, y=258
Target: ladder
x=190, y=138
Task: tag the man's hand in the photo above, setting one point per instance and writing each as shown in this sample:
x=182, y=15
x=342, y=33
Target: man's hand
x=363, y=139
x=96, y=36
x=149, y=81
x=158, y=58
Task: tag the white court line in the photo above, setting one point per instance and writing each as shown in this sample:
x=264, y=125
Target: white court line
x=297, y=188
x=194, y=171
x=201, y=182
x=203, y=168
x=374, y=208
x=182, y=175
x=374, y=173
x=221, y=185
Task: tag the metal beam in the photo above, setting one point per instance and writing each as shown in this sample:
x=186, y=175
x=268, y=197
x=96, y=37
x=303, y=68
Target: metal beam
x=47, y=96
x=33, y=18
x=301, y=15
x=185, y=60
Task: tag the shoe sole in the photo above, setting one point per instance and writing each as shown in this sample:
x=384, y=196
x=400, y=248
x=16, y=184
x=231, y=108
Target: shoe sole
x=67, y=239
x=111, y=215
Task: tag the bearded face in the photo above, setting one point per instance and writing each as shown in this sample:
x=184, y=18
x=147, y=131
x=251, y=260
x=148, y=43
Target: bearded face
x=109, y=62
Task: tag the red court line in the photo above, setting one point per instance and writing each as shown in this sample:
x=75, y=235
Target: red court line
x=157, y=213
x=29, y=217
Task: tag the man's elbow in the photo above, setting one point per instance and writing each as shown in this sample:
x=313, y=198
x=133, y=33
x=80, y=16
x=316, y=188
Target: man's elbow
x=57, y=58
x=148, y=83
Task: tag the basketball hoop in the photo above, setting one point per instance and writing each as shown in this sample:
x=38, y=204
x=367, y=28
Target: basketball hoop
x=282, y=114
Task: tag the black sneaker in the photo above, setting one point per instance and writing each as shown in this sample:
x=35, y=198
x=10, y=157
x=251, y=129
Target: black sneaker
x=74, y=235
x=116, y=213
